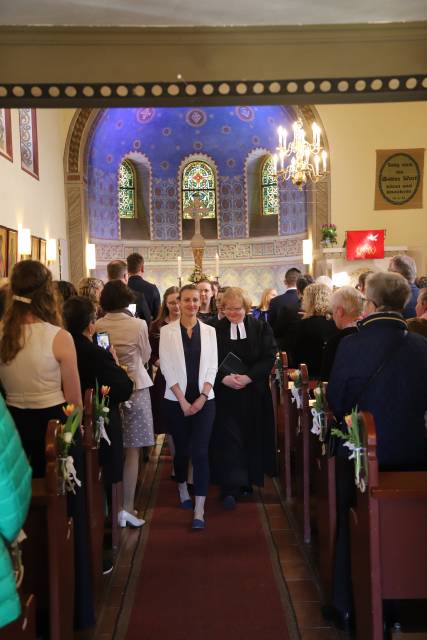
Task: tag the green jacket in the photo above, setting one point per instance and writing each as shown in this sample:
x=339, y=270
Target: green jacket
x=15, y=495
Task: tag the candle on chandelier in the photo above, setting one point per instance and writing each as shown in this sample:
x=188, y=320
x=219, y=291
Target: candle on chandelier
x=179, y=267
x=216, y=265
x=275, y=161
x=324, y=160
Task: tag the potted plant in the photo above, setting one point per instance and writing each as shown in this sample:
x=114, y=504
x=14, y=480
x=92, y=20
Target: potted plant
x=329, y=235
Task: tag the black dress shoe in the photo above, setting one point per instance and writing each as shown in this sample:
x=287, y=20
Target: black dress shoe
x=343, y=620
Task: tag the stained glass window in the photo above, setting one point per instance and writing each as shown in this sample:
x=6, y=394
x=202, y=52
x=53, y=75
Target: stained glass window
x=198, y=190
x=127, y=199
x=269, y=188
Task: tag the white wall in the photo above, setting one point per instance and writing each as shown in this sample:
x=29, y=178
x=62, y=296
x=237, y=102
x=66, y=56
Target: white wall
x=37, y=204
x=354, y=134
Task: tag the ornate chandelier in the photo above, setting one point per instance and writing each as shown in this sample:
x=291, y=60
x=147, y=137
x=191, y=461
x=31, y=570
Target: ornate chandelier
x=308, y=161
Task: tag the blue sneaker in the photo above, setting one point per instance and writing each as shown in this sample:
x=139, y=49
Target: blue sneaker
x=198, y=524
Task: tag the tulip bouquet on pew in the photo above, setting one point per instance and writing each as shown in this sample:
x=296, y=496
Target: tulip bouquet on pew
x=65, y=438
x=296, y=378
x=354, y=443
x=279, y=368
x=318, y=411
x=101, y=410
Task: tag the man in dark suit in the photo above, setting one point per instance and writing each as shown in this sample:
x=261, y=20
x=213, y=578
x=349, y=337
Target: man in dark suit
x=289, y=299
x=381, y=369
x=405, y=265
x=135, y=265
x=117, y=270
x=287, y=322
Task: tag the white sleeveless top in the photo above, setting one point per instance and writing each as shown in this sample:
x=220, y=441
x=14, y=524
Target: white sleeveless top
x=32, y=380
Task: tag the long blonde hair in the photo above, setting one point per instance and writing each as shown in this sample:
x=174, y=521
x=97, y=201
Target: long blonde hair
x=31, y=291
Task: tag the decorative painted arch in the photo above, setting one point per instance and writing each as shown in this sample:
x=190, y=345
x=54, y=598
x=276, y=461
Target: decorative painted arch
x=75, y=176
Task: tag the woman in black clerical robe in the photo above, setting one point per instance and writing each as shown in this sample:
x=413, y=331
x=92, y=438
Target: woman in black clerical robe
x=243, y=444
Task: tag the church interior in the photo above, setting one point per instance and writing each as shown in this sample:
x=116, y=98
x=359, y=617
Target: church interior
x=129, y=128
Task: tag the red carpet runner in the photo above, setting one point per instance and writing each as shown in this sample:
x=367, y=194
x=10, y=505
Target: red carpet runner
x=215, y=584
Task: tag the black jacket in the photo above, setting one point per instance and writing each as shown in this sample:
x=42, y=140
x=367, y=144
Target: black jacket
x=150, y=291
x=289, y=299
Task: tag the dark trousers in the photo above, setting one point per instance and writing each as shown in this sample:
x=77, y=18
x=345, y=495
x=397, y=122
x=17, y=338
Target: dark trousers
x=191, y=437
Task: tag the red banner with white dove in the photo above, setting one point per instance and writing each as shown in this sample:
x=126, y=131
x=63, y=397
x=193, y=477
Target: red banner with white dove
x=365, y=245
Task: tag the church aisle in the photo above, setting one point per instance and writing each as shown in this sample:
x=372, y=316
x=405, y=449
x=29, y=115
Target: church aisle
x=243, y=577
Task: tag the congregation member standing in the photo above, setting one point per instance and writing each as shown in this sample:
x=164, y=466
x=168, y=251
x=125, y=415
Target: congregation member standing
x=347, y=307
x=188, y=360
x=288, y=321
x=405, y=265
x=129, y=337
x=169, y=312
x=207, y=311
x=38, y=371
x=242, y=448
x=381, y=369
x=136, y=282
x=91, y=288
x=261, y=312
x=419, y=324
x=117, y=270
x=100, y=366
x=315, y=329
x=288, y=299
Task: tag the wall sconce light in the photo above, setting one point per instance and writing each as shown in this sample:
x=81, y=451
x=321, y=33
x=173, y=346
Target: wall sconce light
x=307, y=251
x=51, y=250
x=24, y=241
x=90, y=256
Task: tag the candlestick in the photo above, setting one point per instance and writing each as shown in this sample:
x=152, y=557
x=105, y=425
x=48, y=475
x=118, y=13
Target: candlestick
x=179, y=267
x=217, y=265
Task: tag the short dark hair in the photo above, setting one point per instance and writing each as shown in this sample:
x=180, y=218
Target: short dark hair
x=135, y=261
x=78, y=311
x=292, y=275
x=116, y=269
x=65, y=289
x=303, y=282
x=116, y=295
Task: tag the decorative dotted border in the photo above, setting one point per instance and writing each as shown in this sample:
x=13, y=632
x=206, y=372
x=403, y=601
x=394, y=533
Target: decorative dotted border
x=97, y=93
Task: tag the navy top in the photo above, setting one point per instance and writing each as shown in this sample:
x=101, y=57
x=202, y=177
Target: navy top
x=192, y=348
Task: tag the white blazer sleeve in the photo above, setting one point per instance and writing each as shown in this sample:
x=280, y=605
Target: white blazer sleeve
x=212, y=365
x=167, y=357
x=144, y=343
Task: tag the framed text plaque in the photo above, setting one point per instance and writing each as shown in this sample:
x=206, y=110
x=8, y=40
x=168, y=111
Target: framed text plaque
x=399, y=179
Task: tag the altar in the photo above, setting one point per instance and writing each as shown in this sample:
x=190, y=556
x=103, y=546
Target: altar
x=332, y=262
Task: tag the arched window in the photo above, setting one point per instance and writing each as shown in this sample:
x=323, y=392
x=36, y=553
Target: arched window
x=198, y=190
x=127, y=190
x=269, y=189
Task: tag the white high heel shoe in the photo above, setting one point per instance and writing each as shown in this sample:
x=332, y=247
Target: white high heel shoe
x=129, y=519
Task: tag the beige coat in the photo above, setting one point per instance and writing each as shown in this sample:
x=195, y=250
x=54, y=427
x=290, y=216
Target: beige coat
x=129, y=337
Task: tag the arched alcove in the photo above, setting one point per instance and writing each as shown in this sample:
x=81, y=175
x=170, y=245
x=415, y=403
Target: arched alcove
x=232, y=187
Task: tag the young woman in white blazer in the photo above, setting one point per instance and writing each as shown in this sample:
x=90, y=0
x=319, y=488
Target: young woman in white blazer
x=189, y=362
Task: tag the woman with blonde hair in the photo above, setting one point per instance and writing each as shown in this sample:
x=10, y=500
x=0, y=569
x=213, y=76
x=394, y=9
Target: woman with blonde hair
x=315, y=329
x=261, y=312
x=38, y=371
x=242, y=444
x=91, y=288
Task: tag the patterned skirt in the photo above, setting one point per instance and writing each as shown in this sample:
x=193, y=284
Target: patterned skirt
x=138, y=420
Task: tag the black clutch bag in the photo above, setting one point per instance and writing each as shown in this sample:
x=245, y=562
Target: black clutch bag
x=233, y=364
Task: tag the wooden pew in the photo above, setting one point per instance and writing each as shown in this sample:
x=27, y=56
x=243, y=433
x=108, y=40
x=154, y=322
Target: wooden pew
x=388, y=535
x=326, y=510
x=278, y=398
x=290, y=424
x=48, y=553
x=303, y=459
x=94, y=492
x=24, y=628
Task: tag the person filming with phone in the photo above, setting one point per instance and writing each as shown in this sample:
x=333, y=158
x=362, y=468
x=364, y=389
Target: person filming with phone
x=242, y=444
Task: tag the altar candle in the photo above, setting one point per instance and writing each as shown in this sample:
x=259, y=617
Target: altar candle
x=179, y=267
x=216, y=265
